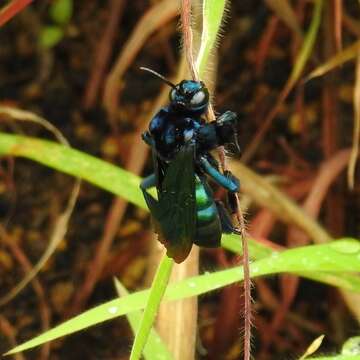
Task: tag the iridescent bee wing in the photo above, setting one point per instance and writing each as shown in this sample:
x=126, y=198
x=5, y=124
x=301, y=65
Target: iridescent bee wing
x=174, y=213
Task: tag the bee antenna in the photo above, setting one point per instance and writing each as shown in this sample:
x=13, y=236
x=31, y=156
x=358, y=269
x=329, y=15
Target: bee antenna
x=159, y=76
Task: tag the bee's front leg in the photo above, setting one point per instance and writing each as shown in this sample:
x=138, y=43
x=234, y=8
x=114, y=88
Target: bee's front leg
x=227, y=180
x=148, y=182
x=225, y=218
x=228, y=117
x=147, y=138
x=226, y=129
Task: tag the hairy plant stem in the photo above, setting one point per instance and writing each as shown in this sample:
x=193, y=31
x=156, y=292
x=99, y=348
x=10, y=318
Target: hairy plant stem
x=188, y=48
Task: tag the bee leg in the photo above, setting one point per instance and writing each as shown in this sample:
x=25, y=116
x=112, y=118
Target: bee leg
x=147, y=138
x=225, y=219
x=228, y=117
x=151, y=202
x=226, y=129
x=232, y=202
x=227, y=180
x=148, y=182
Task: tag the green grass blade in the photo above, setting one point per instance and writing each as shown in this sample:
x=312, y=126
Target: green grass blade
x=338, y=59
x=156, y=293
x=336, y=357
x=61, y=11
x=232, y=243
x=121, y=183
x=110, y=310
x=351, y=346
x=213, y=11
x=50, y=36
x=308, y=44
x=258, y=251
x=338, y=257
x=155, y=344
x=75, y=163
x=344, y=281
x=124, y=184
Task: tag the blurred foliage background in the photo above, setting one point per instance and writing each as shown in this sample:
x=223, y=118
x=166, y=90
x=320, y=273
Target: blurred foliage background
x=76, y=63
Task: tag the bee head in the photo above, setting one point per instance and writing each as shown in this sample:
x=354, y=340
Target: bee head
x=189, y=95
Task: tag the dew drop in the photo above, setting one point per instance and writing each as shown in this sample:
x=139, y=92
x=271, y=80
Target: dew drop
x=192, y=284
x=346, y=246
x=113, y=309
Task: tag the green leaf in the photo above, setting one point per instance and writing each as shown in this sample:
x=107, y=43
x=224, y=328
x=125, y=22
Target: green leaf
x=50, y=36
x=307, y=45
x=337, y=257
x=75, y=163
x=155, y=344
x=336, y=357
x=213, y=11
x=232, y=243
x=347, y=54
x=156, y=294
x=258, y=251
x=351, y=346
x=61, y=11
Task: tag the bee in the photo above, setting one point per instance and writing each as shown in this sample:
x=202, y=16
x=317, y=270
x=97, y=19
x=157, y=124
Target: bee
x=185, y=212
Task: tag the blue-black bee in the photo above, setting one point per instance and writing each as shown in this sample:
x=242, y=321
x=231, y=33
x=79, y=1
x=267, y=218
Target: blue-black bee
x=185, y=211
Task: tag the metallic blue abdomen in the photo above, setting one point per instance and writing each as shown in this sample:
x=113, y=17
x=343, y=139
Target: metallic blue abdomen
x=208, y=225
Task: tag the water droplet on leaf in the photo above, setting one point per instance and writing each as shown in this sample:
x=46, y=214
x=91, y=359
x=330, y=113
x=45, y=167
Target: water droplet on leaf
x=346, y=246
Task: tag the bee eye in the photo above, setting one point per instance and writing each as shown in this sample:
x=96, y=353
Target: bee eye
x=173, y=95
x=198, y=98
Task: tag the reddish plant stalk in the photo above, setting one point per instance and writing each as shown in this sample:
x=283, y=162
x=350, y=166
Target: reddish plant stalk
x=188, y=37
x=10, y=10
x=103, y=54
x=246, y=282
x=338, y=14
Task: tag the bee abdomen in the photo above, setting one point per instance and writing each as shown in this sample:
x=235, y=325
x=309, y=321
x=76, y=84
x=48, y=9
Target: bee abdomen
x=208, y=225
